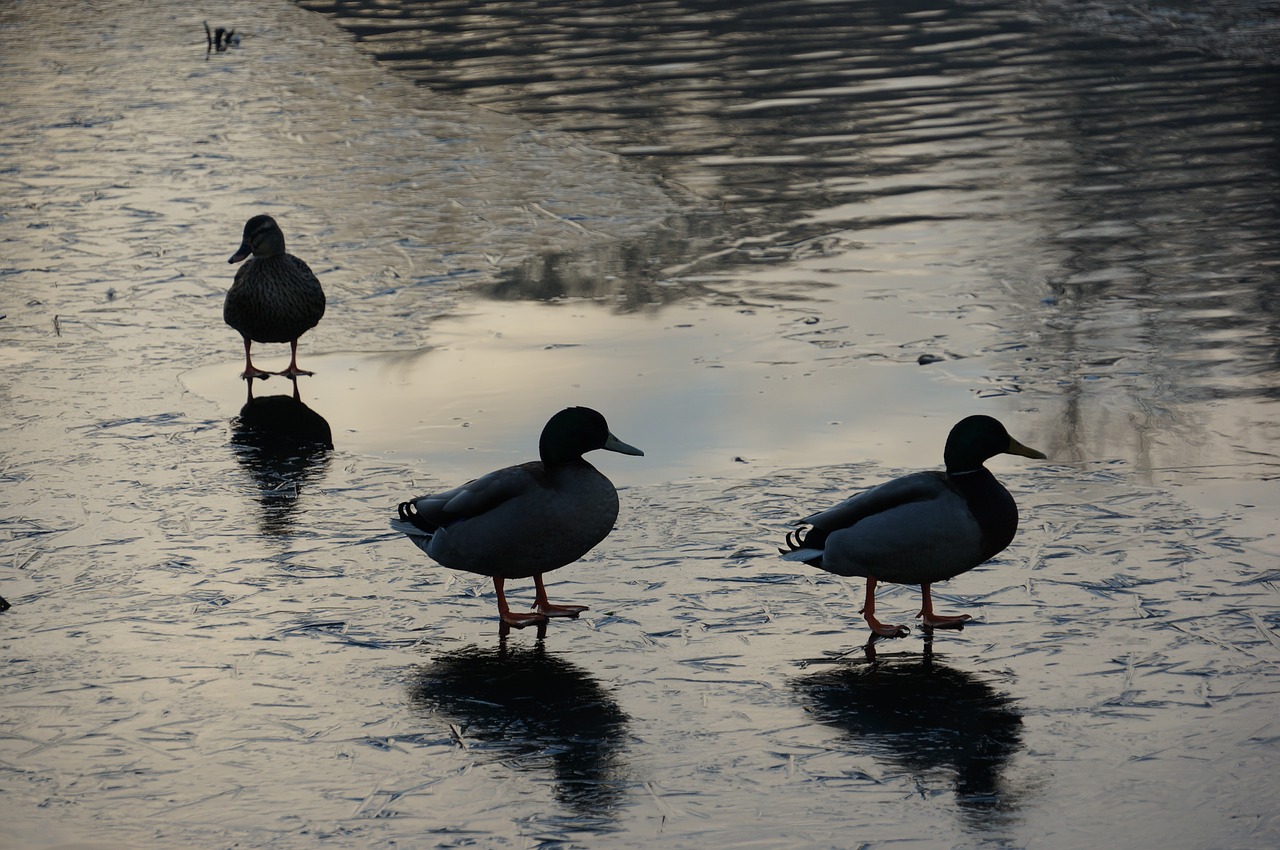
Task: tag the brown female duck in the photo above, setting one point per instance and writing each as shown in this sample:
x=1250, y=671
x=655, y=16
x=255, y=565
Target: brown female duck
x=275, y=296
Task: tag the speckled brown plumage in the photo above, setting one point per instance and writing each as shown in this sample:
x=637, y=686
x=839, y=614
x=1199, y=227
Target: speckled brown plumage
x=275, y=296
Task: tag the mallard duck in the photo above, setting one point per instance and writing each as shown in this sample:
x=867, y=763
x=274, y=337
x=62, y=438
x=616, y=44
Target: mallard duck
x=275, y=297
x=524, y=520
x=921, y=528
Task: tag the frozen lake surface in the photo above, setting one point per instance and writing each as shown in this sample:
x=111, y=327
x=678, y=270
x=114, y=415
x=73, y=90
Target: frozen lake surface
x=783, y=247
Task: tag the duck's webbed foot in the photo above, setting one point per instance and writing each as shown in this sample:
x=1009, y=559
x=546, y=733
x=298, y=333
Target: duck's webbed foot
x=868, y=613
x=520, y=620
x=886, y=630
x=561, y=610
x=542, y=604
x=938, y=621
x=931, y=620
x=511, y=618
x=250, y=371
x=293, y=372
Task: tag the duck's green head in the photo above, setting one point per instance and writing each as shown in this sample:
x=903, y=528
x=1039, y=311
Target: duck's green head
x=262, y=238
x=976, y=438
x=574, y=431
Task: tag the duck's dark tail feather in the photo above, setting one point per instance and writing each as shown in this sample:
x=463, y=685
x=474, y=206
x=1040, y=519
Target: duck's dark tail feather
x=410, y=519
x=805, y=547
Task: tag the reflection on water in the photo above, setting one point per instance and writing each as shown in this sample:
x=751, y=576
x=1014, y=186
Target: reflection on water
x=477, y=400
x=629, y=274
x=538, y=713
x=284, y=445
x=945, y=726
x=1241, y=28
x=1108, y=206
x=803, y=114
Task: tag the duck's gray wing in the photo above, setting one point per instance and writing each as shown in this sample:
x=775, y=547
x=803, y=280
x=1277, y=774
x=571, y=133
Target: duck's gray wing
x=917, y=487
x=475, y=498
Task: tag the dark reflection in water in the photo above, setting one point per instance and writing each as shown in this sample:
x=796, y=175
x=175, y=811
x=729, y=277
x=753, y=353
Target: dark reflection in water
x=940, y=724
x=538, y=713
x=284, y=445
x=633, y=273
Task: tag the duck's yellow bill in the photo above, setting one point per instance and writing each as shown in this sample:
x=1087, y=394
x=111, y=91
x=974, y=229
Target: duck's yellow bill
x=1016, y=448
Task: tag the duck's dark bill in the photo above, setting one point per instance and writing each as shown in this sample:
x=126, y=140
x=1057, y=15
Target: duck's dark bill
x=613, y=444
x=245, y=250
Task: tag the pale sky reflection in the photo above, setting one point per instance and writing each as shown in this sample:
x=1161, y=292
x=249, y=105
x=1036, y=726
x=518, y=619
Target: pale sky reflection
x=702, y=391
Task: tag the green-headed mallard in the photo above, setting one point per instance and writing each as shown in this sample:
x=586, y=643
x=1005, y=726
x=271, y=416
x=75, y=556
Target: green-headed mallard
x=275, y=297
x=920, y=528
x=524, y=520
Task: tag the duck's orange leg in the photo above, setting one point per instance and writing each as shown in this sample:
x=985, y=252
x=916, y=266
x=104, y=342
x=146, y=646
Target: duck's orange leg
x=542, y=604
x=293, y=371
x=250, y=371
x=511, y=619
x=937, y=621
x=869, y=614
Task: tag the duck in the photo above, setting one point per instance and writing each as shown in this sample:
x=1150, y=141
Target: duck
x=524, y=521
x=275, y=296
x=922, y=528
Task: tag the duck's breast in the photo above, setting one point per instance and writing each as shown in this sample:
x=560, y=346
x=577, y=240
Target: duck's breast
x=994, y=510
x=274, y=299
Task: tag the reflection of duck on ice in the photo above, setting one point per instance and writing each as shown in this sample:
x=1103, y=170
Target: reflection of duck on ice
x=531, y=706
x=283, y=444
x=924, y=717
